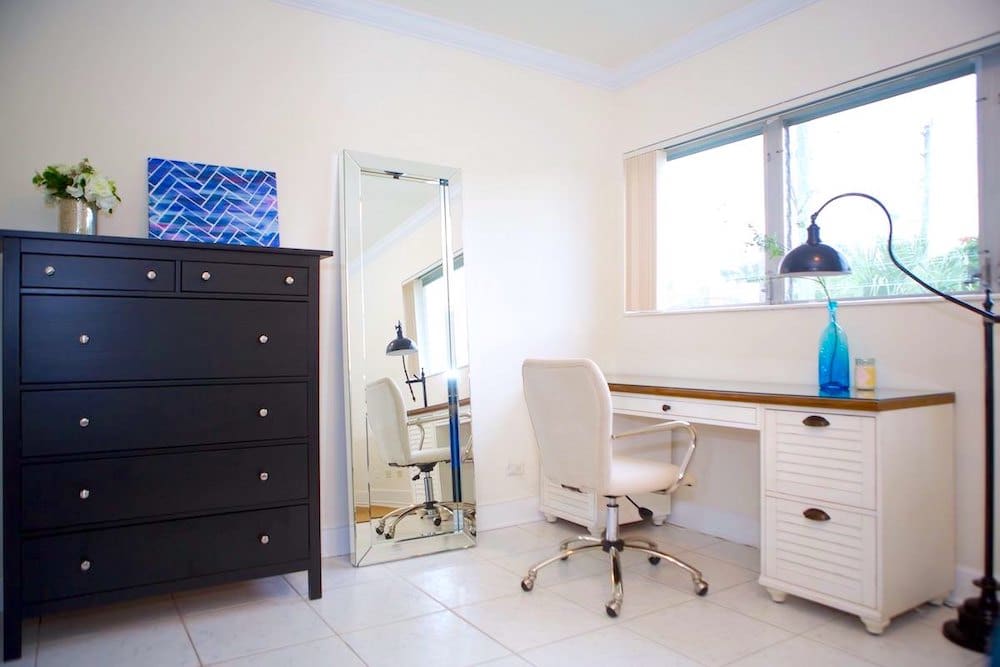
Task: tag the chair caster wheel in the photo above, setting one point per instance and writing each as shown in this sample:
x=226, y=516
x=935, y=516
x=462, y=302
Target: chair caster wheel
x=613, y=608
x=564, y=558
x=437, y=521
x=388, y=536
x=653, y=560
x=701, y=588
x=379, y=530
x=527, y=584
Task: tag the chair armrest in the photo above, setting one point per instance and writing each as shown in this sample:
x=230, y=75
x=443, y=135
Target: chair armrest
x=664, y=427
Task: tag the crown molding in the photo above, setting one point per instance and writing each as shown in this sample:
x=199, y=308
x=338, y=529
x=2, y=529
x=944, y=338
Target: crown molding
x=448, y=33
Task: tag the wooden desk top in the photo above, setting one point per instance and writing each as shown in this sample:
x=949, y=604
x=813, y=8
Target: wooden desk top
x=770, y=393
x=434, y=408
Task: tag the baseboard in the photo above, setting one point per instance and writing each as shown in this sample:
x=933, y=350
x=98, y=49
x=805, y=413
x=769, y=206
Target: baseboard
x=391, y=497
x=507, y=513
x=730, y=526
x=335, y=541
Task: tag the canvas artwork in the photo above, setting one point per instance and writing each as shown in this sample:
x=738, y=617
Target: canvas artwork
x=208, y=203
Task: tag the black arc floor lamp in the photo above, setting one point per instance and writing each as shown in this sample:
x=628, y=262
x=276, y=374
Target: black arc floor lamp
x=401, y=346
x=976, y=616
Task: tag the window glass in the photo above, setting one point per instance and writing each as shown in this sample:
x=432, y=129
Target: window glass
x=432, y=319
x=915, y=152
x=710, y=212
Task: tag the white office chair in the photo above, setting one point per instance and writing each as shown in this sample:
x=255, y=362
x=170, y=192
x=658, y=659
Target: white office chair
x=389, y=429
x=570, y=408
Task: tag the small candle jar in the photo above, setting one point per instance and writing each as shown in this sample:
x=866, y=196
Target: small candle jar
x=864, y=374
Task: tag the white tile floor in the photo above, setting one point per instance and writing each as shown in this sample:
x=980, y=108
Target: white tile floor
x=466, y=608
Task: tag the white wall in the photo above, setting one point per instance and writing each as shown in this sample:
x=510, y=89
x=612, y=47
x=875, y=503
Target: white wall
x=256, y=84
x=922, y=344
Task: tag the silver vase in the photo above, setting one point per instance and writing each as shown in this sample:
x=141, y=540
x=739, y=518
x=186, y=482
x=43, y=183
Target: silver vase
x=76, y=216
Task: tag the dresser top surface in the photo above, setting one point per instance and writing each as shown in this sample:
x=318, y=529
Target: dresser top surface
x=131, y=240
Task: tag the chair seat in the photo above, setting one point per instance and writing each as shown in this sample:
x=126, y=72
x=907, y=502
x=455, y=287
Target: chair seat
x=629, y=474
x=435, y=455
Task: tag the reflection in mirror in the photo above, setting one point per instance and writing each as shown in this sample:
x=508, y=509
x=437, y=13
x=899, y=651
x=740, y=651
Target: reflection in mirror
x=406, y=359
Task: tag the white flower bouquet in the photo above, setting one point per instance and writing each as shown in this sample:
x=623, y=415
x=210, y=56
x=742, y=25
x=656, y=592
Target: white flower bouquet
x=79, y=181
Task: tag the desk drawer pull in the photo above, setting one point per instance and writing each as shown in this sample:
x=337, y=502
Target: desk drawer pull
x=665, y=407
x=815, y=514
x=816, y=420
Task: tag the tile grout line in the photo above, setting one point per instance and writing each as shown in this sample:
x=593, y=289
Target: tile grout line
x=187, y=630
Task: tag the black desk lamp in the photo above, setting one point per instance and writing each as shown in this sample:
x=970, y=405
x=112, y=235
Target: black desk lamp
x=400, y=346
x=976, y=616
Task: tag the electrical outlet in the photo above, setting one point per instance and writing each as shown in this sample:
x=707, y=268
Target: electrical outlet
x=515, y=469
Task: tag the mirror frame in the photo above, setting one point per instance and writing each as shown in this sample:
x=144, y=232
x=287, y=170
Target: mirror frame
x=353, y=165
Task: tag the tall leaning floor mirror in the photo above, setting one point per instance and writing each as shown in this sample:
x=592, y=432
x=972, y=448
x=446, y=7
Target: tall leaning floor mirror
x=406, y=360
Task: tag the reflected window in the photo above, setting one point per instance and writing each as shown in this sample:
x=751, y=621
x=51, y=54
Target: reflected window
x=431, y=311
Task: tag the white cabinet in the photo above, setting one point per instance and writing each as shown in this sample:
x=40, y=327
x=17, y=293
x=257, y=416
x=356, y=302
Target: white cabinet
x=857, y=509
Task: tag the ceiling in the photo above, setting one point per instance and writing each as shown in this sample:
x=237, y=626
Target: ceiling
x=607, y=43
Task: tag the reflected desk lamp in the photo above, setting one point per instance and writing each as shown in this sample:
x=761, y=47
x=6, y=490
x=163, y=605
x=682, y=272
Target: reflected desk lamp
x=976, y=616
x=400, y=346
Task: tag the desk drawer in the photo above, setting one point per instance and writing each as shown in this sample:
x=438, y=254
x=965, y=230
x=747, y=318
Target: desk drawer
x=78, y=492
x=62, y=566
x=244, y=278
x=92, y=338
x=711, y=412
x=98, y=273
x=831, y=460
x=80, y=421
x=835, y=557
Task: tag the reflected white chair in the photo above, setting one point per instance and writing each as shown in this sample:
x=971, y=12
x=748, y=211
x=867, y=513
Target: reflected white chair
x=389, y=429
x=570, y=408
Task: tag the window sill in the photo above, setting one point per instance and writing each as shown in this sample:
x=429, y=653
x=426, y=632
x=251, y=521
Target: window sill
x=974, y=299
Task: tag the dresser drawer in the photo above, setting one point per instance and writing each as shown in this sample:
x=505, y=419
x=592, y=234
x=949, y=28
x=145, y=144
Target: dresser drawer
x=62, y=566
x=98, y=420
x=87, y=338
x=834, y=557
x=832, y=459
x=98, y=273
x=244, y=278
x=77, y=492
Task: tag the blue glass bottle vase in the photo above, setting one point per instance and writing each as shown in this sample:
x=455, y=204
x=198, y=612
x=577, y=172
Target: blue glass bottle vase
x=834, y=358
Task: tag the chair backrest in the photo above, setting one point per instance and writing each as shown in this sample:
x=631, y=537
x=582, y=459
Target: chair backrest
x=570, y=408
x=387, y=421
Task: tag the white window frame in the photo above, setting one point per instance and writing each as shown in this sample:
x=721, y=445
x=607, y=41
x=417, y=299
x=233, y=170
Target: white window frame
x=985, y=63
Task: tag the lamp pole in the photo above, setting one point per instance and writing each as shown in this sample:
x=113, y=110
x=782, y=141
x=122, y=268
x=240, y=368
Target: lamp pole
x=976, y=616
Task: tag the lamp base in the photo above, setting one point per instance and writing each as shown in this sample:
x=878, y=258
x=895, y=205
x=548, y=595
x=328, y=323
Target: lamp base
x=974, y=626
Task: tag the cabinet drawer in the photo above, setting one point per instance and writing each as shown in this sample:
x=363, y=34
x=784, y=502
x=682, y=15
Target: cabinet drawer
x=565, y=501
x=86, y=338
x=67, y=271
x=78, y=492
x=739, y=416
x=99, y=420
x=62, y=566
x=244, y=278
x=835, y=557
x=833, y=460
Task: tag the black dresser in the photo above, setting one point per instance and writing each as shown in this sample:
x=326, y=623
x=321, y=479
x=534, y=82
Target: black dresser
x=160, y=419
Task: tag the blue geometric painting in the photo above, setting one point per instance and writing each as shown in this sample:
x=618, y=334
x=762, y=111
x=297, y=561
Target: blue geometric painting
x=189, y=201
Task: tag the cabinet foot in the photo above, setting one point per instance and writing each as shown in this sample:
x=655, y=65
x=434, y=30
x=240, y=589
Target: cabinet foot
x=875, y=626
x=776, y=595
x=551, y=518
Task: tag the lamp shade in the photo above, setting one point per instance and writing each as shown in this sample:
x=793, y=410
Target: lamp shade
x=400, y=345
x=813, y=258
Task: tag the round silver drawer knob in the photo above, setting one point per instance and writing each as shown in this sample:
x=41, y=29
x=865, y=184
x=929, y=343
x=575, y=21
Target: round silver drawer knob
x=262, y=412
x=206, y=276
x=289, y=280
x=84, y=494
x=263, y=339
x=50, y=270
x=150, y=275
x=84, y=422
x=264, y=539
x=84, y=339
x=84, y=565
x=264, y=476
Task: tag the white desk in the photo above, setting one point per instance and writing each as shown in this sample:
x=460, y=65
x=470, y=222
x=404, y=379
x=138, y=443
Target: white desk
x=857, y=491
